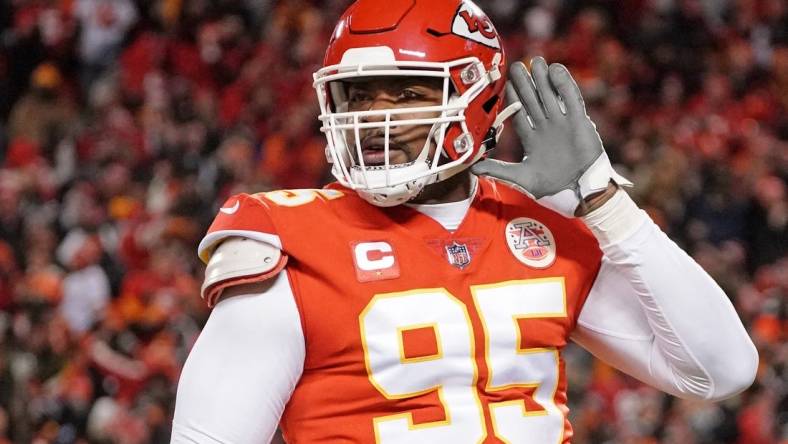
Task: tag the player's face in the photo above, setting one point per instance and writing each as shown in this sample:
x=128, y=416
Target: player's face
x=405, y=142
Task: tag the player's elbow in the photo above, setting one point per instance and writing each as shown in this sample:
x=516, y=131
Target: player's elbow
x=735, y=373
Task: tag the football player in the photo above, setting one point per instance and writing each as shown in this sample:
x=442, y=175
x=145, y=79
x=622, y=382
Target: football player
x=427, y=295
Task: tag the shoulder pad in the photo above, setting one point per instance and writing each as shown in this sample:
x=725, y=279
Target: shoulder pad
x=239, y=260
x=244, y=216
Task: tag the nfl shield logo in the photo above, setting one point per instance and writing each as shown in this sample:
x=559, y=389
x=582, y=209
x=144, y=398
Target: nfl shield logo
x=458, y=255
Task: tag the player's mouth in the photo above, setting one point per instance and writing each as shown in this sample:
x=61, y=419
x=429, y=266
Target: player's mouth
x=374, y=153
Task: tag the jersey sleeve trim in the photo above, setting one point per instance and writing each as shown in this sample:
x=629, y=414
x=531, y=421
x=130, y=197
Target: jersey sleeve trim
x=210, y=241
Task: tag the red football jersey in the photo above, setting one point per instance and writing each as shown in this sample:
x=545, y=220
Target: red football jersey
x=418, y=334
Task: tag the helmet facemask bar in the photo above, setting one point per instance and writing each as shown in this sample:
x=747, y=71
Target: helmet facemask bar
x=348, y=161
x=423, y=153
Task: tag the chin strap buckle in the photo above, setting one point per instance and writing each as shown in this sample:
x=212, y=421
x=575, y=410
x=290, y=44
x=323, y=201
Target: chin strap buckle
x=495, y=68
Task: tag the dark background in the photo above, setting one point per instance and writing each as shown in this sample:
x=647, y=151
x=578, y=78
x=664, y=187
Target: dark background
x=124, y=124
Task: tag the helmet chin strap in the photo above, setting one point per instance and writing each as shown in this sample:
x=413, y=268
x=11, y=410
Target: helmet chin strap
x=396, y=195
x=507, y=112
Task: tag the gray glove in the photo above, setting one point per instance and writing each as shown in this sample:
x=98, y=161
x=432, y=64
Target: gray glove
x=564, y=159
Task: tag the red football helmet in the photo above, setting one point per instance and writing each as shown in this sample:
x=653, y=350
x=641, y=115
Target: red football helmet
x=449, y=39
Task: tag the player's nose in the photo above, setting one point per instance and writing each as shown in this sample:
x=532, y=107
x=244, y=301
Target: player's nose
x=380, y=102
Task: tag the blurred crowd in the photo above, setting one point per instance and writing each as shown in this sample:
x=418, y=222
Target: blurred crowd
x=124, y=124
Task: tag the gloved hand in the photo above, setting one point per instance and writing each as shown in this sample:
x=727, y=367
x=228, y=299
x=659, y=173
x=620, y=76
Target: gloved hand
x=564, y=161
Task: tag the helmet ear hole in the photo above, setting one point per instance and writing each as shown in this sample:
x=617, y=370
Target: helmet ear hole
x=490, y=104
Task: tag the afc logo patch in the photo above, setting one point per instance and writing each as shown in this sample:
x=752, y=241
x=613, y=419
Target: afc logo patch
x=374, y=261
x=531, y=242
x=471, y=23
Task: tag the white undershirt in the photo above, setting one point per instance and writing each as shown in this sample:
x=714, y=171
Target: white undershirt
x=450, y=214
x=652, y=312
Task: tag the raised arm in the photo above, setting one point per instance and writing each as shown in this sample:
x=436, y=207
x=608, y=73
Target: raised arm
x=654, y=313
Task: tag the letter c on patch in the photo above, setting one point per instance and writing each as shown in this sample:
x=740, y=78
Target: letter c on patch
x=372, y=256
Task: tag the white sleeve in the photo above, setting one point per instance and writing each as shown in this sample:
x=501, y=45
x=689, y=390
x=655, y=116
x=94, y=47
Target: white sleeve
x=243, y=368
x=655, y=314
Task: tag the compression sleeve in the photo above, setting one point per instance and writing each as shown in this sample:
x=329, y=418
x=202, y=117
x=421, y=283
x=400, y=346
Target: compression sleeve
x=243, y=368
x=654, y=313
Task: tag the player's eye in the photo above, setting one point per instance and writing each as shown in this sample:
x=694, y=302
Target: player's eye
x=410, y=94
x=357, y=96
